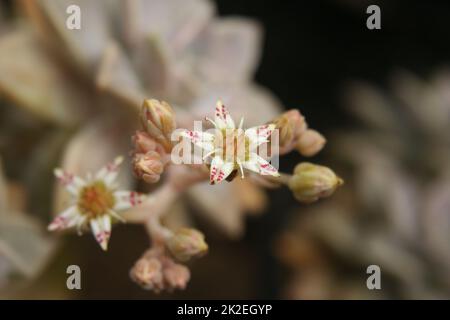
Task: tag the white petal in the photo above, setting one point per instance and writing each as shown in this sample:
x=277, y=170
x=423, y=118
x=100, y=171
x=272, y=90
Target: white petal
x=201, y=139
x=222, y=117
x=70, y=181
x=260, y=134
x=65, y=220
x=109, y=173
x=260, y=165
x=127, y=199
x=101, y=228
x=220, y=170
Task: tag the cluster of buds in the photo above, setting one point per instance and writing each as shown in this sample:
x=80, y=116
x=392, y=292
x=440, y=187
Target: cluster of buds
x=295, y=134
x=153, y=145
x=156, y=271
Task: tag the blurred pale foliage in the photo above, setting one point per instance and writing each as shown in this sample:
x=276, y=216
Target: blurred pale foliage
x=71, y=98
x=395, y=209
x=24, y=247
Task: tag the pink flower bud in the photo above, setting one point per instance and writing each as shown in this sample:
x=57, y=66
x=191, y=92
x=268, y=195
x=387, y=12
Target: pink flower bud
x=291, y=125
x=148, y=166
x=143, y=143
x=147, y=272
x=158, y=120
x=176, y=276
x=310, y=142
x=156, y=271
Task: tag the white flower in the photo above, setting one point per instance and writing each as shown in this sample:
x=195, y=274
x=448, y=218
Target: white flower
x=95, y=202
x=232, y=148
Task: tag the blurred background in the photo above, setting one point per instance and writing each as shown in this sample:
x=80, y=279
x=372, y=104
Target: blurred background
x=380, y=97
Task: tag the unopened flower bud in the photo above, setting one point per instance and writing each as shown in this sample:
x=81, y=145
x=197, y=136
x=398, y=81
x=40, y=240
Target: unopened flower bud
x=143, y=143
x=291, y=125
x=158, y=119
x=176, y=276
x=311, y=182
x=147, y=272
x=187, y=243
x=310, y=142
x=148, y=166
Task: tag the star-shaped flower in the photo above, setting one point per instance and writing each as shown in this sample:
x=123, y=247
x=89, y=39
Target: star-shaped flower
x=232, y=148
x=95, y=202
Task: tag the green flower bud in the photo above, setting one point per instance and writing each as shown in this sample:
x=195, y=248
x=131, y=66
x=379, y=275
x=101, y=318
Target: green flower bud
x=187, y=243
x=311, y=182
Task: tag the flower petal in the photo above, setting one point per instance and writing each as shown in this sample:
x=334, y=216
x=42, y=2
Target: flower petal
x=220, y=170
x=109, y=172
x=67, y=219
x=222, y=117
x=201, y=139
x=127, y=199
x=260, y=165
x=259, y=134
x=70, y=181
x=101, y=228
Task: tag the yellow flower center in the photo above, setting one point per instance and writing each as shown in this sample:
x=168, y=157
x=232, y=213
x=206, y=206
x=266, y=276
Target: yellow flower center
x=234, y=145
x=95, y=199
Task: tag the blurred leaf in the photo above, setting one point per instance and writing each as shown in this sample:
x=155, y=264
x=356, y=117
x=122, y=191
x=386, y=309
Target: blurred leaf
x=117, y=77
x=393, y=258
x=23, y=247
x=337, y=230
x=427, y=102
x=372, y=107
x=175, y=22
x=152, y=60
x=38, y=173
x=360, y=148
x=437, y=222
x=82, y=47
x=402, y=207
x=23, y=243
x=228, y=51
x=30, y=77
x=3, y=191
x=227, y=215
